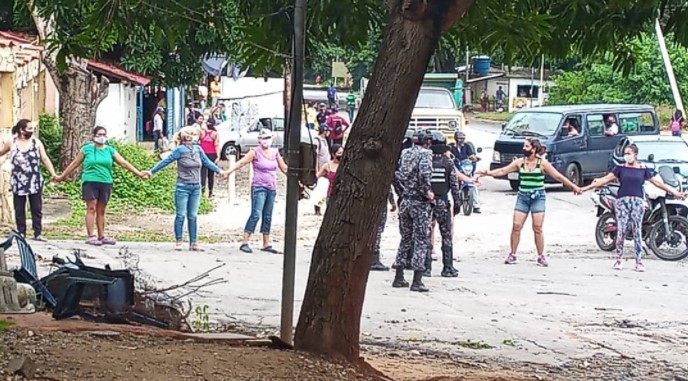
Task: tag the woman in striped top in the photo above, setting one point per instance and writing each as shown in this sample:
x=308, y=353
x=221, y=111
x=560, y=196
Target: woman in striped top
x=532, y=169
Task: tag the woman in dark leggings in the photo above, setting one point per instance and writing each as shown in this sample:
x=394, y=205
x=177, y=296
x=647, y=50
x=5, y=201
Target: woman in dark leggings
x=629, y=206
x=209, y=144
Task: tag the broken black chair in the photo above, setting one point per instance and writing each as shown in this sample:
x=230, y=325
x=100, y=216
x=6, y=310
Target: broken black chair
x=28, y=273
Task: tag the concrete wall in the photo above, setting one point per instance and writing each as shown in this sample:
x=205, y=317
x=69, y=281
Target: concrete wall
x=117, y=112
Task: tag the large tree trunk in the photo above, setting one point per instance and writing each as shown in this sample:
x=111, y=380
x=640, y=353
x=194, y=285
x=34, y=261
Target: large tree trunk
x=80, y=94
x=330, y=317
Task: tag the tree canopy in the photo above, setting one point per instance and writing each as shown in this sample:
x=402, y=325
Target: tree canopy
x=167, y=38
x=596, y=80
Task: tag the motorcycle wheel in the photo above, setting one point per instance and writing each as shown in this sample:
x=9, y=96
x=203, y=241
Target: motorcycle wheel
x=676, y=241
x=467, y=204
x=605, y=241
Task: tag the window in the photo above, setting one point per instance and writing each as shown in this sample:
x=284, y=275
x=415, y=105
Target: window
x=636, y=122
x=435, y=99
x=533, y=123
x=596, y=125
x=278, y=123
x=576, y=121
x=524, y=91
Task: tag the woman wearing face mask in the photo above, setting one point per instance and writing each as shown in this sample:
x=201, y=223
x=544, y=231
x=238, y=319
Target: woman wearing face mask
x=532, y=168
x=265, y=161
x=329, y=170
x=210, y=144
x=98, y=159
x=27, y=153
x=187, y=193
x=629, y=206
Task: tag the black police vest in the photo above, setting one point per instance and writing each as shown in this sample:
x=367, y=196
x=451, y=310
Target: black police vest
x=440, y=176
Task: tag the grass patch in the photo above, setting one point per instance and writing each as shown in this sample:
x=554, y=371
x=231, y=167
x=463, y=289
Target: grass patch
x=474, y=344
x=5, y=324
x=494, y=116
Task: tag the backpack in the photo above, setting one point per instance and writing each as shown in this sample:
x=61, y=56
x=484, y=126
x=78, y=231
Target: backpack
x=331, y=92
x=338, y=126
x=675, y=125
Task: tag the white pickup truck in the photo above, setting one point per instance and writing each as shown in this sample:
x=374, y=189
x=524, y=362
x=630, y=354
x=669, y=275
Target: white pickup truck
x=237, y=141
x=435, y=109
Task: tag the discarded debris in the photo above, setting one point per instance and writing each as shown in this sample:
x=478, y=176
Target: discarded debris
x=23, y=366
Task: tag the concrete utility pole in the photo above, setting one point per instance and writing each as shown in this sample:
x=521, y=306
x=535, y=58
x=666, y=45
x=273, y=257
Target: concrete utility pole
x=293, y=161
x=667, y=65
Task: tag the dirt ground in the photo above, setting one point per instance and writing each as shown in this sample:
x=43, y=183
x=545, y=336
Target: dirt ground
x=78, y=350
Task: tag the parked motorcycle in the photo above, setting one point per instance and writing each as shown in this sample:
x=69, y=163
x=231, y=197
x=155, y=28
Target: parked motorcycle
x=664, y=227
x=467, y=167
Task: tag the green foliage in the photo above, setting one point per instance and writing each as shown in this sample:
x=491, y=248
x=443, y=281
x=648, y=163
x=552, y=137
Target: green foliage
x=599, y=82
x=202, y=320
x=130, y=193
x=50, y=133
x=5, y=324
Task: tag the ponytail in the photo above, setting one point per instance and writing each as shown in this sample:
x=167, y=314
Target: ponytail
x=21, y=125
x=538, y=147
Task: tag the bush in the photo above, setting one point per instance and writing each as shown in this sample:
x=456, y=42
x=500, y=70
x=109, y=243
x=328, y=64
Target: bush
x=129, y=191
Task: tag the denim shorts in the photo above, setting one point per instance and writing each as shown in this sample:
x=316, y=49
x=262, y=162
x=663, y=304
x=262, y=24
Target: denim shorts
x=530, y=202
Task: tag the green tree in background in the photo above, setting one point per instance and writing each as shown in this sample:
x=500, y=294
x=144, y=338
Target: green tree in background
x=646, y=82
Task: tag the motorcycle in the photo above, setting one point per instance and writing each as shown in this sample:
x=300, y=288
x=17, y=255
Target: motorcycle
x=467, y=167
x=664, y=226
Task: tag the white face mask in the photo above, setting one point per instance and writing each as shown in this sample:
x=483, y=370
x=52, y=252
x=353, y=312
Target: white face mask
x=629, y=159
x=100, y=139
x=266, y=143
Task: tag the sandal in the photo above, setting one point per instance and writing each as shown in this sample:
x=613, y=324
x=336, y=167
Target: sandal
x=245, y=248
x=269, y=249
x=178, y=246
x=194, y=247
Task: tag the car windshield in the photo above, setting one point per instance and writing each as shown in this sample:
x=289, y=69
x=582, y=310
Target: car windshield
x=667, y=152
x=537, y=124
x=435, y=99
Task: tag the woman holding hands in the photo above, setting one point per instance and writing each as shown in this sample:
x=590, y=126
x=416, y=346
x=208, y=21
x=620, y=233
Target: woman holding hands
x=629, y=206
x=532, y=169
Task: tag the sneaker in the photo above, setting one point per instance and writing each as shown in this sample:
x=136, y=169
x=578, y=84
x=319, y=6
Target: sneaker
x=542, y=261
x=107, y=241
x=639, y=267
x=178, y=246
x=511, y=259
x=618, y=265
x=195, y=247
x=40, y=238
x=94, y=241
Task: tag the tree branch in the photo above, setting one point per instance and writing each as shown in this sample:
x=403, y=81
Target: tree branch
x=455, y=12
x=45, y=29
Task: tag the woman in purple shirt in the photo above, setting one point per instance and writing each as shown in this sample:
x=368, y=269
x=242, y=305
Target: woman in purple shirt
x=265, y=162
x=629, y=207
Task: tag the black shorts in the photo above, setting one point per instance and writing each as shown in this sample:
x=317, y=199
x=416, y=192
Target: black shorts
x=96, y=191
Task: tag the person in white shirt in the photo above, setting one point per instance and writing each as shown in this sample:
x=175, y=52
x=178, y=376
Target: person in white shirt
x=610, y=126
x=158, y=124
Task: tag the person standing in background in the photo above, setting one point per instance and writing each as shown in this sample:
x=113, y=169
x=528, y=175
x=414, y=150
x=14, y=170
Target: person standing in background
x=26, y=182
x=338, y=125
x=158, y=124
x=323, y=157
x=210, y=145
x=332, y=96
x=676, y=123
x=203, y=96
x=215, y=90
x=351, y=105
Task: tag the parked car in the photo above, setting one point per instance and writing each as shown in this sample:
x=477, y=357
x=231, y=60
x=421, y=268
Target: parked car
x=435, y=109
x=237, y=141
x=579, y=157
x=654, y=151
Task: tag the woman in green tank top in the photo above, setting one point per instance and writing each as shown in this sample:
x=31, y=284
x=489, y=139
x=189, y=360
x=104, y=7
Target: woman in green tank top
x=532, y=169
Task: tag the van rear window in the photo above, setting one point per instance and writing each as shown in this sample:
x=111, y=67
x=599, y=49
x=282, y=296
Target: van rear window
x=636, y=122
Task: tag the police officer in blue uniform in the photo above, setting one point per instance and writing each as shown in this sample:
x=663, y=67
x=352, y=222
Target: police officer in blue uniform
x=414, y=176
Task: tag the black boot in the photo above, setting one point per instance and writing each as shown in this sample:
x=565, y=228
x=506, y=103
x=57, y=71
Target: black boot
x=418, y=285
x=399, y=280
x=428, y=266
x=448, y=270
x=377, y=265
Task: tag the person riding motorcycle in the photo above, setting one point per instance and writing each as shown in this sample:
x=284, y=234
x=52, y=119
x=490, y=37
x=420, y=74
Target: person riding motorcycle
x=461, y=151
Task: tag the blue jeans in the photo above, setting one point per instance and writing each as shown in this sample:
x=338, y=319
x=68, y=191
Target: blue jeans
x=262, y=201
x=187, y=199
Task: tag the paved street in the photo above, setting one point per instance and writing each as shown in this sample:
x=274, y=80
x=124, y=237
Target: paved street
x=576, y=308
